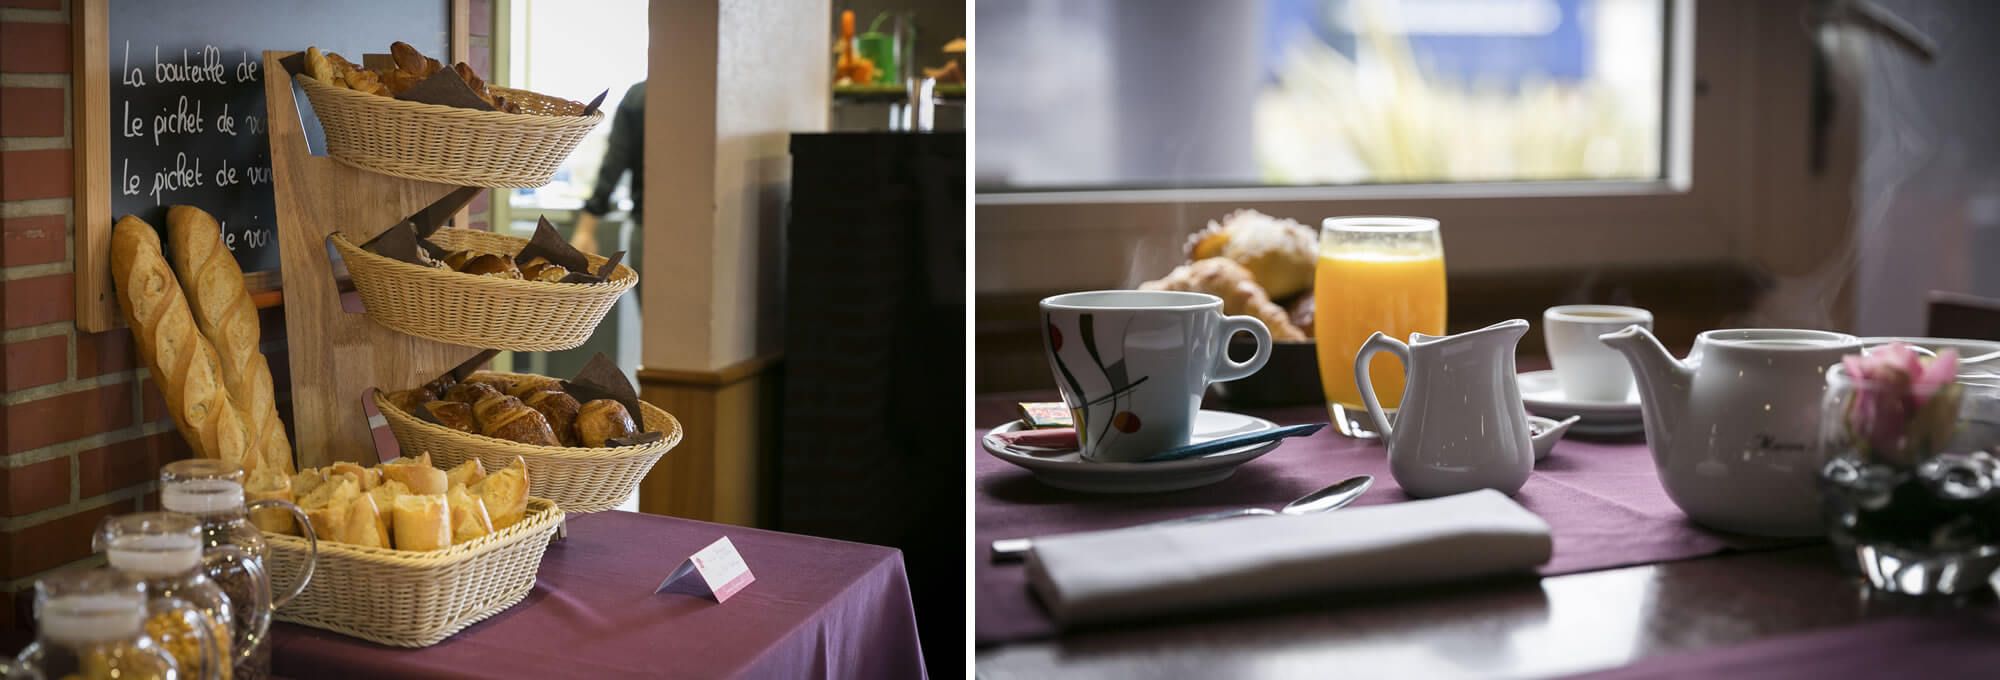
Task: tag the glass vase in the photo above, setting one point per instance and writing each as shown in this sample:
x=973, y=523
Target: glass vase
x=1912, y=484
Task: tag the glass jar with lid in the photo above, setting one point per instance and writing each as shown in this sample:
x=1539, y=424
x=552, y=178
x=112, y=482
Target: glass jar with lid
x=211, y=491
x=163, y=549
x=92, y=624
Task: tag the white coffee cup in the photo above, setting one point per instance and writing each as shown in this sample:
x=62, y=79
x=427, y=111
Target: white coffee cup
x=1589, y=370
x=1133, y=365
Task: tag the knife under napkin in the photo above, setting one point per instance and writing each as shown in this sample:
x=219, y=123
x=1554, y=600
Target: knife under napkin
x=1130, y=573
x=1064, y=439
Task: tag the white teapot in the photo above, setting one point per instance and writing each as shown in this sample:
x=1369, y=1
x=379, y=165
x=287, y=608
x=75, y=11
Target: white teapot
x=1732, y=428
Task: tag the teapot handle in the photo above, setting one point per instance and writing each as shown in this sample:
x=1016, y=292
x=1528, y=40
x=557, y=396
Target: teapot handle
x=1376, y=343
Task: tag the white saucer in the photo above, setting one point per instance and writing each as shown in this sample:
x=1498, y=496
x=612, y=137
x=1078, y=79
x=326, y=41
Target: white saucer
x=1543, y=396
x=1070, y=471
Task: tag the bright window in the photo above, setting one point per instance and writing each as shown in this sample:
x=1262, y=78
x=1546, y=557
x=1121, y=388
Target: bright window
x=1140, y=94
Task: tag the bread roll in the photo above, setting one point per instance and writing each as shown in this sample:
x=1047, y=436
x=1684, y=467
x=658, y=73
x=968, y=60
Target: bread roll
x=457, y=258
x=469, y=519
x=270, y=483
x=417, y=474
x=423, y=522
x=467, y=473
x=185, y=367
x=603, y=419
x=506, y=494
x=364, y=477
x=560, y=410
x=453, y=414
x=223, y=311
x=492, y=265
x=504, y=417
x=539, y=269
x=364, y=524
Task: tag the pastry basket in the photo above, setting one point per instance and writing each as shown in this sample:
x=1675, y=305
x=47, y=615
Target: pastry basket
x=448, y=144
x=581, y=479
x=408, y=598
x=480, y=311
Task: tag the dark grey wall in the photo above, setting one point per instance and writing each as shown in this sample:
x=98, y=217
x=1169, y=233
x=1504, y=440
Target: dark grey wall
x=1928, y=199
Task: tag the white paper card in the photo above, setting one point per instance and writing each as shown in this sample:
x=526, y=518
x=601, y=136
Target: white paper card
x=716, y=571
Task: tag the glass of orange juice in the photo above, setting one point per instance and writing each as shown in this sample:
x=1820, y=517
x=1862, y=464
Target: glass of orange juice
x=1374, y=274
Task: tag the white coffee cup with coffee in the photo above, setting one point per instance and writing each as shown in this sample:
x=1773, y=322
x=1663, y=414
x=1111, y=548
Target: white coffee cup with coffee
x=1133, y=365
x=1589, y=370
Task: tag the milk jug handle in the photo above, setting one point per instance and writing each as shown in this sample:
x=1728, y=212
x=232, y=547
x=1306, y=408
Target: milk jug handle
x=1376, y=343
x=312, y=549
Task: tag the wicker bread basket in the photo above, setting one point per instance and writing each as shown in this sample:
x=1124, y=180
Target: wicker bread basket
x=581, y=479
x=407, y=598
x=447, y=144
x=480, y=311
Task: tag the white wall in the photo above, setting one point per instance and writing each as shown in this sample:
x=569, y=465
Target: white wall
x=728, y=82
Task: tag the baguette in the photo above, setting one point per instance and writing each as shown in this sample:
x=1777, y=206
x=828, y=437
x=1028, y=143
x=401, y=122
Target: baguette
x=226, y=317
x=469, y=519
x=184, y=366
x=269, y=483
x=423, y=522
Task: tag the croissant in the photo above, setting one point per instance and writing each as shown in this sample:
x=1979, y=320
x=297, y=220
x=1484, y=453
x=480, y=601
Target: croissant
x=1224, y=278
x=471, y=392
x=525, y=385
x=456, y=415
x=503, y=383
x=560, y=410
x=1279, y=254
x=603, y=419
x=504, y=417
x=408, y=401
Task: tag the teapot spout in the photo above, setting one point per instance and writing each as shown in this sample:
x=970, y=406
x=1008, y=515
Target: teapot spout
x=1663, y=381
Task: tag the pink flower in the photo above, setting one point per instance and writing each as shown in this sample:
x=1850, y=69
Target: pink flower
x=1892, y=384
x=1933, y=376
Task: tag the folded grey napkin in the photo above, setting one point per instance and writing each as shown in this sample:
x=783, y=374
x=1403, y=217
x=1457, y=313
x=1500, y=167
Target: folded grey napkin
x=1147, y=571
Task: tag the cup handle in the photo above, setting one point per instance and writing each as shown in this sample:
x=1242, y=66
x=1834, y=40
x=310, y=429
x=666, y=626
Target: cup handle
x=1227, y=369
x=1376, y=343
x=312, y=548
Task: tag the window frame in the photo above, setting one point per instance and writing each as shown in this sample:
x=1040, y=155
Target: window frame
x=1728, y=167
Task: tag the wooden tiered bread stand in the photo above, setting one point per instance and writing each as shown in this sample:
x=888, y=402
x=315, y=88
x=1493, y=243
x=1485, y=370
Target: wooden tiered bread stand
x=338, y=355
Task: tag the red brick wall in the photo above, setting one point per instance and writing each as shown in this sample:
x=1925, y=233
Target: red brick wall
x=83, y=428
x=80, y=442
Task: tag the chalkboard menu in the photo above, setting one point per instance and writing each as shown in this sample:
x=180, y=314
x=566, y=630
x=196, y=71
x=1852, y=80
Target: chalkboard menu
x=187, y=99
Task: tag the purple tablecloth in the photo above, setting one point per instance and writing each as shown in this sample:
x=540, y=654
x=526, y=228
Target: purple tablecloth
x=1603, y=503
x=1951, y=645
x=818, y=609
